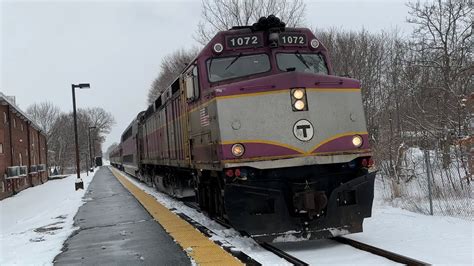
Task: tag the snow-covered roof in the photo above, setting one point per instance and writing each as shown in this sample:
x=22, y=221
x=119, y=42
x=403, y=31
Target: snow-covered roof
x=5, y=99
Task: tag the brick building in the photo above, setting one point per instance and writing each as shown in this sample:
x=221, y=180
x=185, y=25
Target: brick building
x=23, y=150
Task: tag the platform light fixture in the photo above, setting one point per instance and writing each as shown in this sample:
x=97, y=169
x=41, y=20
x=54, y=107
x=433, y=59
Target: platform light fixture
x=78, y=184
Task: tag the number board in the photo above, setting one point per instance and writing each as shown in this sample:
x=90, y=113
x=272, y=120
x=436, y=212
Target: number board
x=244, y=41
x=292, y=39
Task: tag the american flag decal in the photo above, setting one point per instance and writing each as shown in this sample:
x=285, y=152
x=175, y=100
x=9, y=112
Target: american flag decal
x=204, y=117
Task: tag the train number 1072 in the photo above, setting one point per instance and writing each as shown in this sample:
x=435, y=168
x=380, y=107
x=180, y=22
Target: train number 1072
x=243, y=41
x=292, y=39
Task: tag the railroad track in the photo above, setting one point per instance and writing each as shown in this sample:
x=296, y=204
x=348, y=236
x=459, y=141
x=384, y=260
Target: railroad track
x=284, y=255
x=380, y=252
x=346, y=241
x=244, y=258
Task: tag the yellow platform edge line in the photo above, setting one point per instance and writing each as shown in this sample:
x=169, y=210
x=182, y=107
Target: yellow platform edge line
x=204, y=251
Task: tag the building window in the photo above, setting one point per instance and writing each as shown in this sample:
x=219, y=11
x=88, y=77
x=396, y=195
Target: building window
x=14, y=123
x=1, y=148
x=4, y=117
x=21, y=159
x=21, y=125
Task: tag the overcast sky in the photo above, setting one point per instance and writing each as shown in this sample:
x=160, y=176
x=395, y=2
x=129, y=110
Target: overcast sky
x=117, y=46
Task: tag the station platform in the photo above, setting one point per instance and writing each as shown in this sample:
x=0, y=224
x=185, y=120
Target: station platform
x=114, y=228
x=120, y=224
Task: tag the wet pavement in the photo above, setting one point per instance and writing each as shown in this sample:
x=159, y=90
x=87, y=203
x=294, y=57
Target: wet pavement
x=115, y=229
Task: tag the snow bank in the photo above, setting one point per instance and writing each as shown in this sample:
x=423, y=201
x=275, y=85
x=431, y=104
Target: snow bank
x=35, y=222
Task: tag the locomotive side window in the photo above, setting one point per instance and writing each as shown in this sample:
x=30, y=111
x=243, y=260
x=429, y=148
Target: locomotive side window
x=308, y=63
x=224, y=68
x=192, y=84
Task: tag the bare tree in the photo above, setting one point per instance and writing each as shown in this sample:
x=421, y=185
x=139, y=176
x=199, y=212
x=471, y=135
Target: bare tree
x=170, y=68
x=221, y=15
x=443, y=41
x=44, y=114
x=62, y=137
x=100, y=119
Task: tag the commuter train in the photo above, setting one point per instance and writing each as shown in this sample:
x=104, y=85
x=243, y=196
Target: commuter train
x=259, y=129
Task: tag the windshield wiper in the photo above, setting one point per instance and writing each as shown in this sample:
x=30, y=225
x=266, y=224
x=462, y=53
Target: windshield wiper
x=301, y=58
x=233, y=61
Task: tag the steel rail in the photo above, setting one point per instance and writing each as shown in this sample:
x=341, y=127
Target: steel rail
x=380, y=252
x=282, y=254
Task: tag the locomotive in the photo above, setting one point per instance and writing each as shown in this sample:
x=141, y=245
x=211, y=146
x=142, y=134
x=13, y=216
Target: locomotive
x=264, y=135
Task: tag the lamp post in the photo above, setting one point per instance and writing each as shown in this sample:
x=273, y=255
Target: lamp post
x=90, y=146
x=78, y=184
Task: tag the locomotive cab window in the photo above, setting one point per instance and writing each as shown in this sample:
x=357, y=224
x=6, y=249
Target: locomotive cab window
x=192, y=84
x=300, y=62
x=224, y=68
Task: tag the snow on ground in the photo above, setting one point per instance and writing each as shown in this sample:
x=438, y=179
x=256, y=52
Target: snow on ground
x=432, y=239
x=35, y=222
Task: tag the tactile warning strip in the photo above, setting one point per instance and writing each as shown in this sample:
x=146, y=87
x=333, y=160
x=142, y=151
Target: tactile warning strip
x=203, y=250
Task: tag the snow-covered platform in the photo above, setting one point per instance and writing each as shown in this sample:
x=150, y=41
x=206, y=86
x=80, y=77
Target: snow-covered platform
x=115, y=229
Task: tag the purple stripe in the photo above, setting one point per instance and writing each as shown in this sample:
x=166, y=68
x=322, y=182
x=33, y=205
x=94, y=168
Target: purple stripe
x=342, y=144
x=257, y=150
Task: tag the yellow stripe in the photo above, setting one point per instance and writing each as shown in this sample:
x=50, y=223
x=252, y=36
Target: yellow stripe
x=204, y=251
x=284, y=145
x=268, y=158
x=252, y=94
x=286, y=91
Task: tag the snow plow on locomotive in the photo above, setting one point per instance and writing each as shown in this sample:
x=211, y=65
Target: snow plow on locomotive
x=260, y=129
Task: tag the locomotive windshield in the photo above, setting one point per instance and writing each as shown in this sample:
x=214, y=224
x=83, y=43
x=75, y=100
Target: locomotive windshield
x=308, y=63
x=237, y=66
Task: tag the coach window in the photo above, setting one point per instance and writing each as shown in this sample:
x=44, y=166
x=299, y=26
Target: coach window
x=192, y=84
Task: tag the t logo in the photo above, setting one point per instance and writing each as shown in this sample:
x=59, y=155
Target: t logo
x=303, y=130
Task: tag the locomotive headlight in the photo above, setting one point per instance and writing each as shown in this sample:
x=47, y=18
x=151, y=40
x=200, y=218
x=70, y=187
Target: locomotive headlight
x=238, y=150
x=298, y=99
x=218, y=47
x=357, y=141
x=299, y=105
x=298, y=94
x=314, y=43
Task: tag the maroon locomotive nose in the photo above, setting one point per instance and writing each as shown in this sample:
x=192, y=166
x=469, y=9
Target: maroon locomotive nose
x=262, y=133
